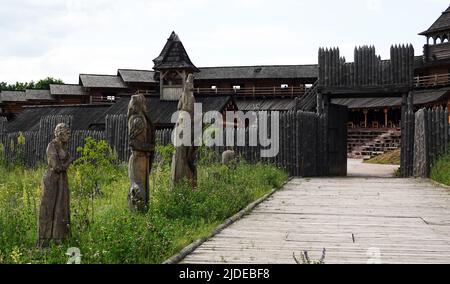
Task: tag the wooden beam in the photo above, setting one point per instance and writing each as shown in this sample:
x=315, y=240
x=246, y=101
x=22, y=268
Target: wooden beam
x=386, y=110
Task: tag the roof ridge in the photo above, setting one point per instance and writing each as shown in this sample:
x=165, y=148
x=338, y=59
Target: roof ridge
x=246, y=66
x=134, y=70
x=66, y=85
x=13, y=91
x=105, y=75
x=71, y=105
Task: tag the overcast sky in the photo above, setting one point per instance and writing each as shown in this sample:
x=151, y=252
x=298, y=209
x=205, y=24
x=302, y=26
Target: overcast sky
x=40, y=38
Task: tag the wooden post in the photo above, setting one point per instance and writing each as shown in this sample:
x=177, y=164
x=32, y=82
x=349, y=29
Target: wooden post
x=386, y=110
x=448, y=109
x=411, y=127
x=403, y=137
x=421, y=168
x=319, y=103
x=407, y=150
x=365, y=117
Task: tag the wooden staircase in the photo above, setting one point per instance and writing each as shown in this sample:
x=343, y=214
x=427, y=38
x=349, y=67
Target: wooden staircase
x=308, y=101
x=367, y=143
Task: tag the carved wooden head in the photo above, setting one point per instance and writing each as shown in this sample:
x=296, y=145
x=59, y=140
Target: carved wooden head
x=137, y=105
x=62, y=132
x=189, y=82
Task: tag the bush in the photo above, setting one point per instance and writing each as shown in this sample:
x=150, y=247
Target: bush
x=94, y=170
x=441, y=170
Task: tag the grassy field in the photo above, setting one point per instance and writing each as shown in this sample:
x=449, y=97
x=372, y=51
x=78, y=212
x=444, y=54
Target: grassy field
x=389, y=158
x=441, y=170
x=102, y=226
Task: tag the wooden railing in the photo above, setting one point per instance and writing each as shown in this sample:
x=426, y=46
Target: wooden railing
x=254, y=91
x=432, y=80
x=103, y=99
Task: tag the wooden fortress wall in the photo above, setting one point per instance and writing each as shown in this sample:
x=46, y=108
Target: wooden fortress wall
x=304, y=143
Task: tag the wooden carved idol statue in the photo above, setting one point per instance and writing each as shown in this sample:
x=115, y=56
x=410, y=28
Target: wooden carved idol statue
x=183, y=161
x=54, y=213
x=142, y=144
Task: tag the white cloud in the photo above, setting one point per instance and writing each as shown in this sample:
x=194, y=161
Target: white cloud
x=65, y=38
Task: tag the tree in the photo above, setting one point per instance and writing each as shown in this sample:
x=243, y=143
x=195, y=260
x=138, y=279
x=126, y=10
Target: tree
x=43, y=84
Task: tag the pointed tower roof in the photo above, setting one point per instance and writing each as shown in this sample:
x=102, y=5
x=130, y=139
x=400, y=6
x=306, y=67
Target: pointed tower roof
x=174, y=56
x=441, y=24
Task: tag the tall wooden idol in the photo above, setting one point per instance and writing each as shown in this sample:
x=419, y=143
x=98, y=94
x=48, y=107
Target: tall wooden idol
x=142, y=144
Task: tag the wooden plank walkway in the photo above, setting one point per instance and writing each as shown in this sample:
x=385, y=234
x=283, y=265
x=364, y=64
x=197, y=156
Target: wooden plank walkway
x=405, y=220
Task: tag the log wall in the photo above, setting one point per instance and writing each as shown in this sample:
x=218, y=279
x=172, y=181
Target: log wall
x=431, y=137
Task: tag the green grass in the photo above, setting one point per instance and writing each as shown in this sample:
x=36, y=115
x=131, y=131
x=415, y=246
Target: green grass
x=441, y=170
x=388, y=158
x=103, y=227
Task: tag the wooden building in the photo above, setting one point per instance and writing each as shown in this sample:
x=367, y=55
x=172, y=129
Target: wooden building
x=433, y=69
x=274, y=81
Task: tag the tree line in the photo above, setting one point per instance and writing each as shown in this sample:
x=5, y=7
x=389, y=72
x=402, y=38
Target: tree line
x=43, y=84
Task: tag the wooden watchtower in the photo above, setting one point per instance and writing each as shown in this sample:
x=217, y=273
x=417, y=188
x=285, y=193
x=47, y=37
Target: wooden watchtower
x=174, y=66
x=439, y=33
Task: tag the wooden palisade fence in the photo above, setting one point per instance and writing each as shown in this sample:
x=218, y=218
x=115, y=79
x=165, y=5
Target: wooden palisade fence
x=368, y=68
x=431, y=139
x=2, y=127
x=30, y=147
x=302, y=145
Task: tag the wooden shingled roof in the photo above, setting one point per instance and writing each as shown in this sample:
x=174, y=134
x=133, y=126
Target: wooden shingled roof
x=174, y=56
x=265, y=104
x=67, y=90
x=160, y=112
x=421, y=97
x=84, y=116
x=137, y=76
x=308, y=72
x=102, y=81
x=38, y=95
x=13, y=96
x=260, y=72
x=441, y=24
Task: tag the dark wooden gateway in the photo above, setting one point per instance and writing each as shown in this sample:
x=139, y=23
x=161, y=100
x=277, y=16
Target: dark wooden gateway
x=371, y=77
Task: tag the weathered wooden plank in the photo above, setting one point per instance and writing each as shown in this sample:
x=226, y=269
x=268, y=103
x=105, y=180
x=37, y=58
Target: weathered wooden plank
x=396, y=223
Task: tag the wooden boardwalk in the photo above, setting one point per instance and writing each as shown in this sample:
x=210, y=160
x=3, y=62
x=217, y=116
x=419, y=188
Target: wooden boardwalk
x=354, y=218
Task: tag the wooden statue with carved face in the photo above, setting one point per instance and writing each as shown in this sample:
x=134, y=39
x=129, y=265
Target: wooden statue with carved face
x=54, y=212
x=183, y=161
x=142, y=144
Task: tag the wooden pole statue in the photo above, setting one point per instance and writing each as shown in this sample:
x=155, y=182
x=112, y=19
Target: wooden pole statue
x=142, y=144
x=183, y=161
x=54, y=213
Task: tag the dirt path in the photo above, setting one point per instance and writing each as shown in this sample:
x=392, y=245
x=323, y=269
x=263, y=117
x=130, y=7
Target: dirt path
x=356, y=168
